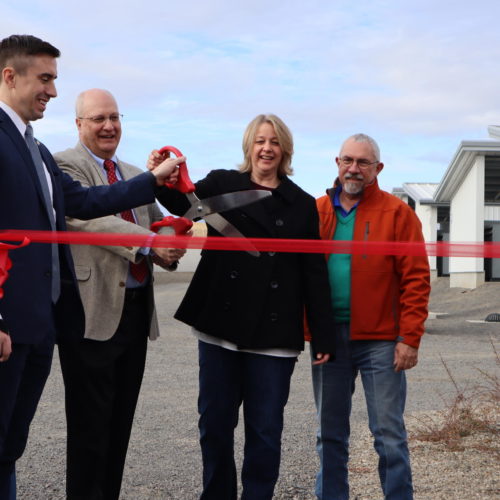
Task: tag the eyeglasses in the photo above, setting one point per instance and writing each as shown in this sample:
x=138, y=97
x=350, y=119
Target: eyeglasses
x=99, y=120
x=363, y=164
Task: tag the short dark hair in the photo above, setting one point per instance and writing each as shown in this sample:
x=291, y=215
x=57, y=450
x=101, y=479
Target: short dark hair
x=15, y=51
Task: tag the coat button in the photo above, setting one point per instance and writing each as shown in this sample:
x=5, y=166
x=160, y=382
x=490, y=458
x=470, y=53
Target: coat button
x=273, y=316
x=279, y=222
x=234, y=274
x=122, y=284
x=227, y=306
x=274, y=284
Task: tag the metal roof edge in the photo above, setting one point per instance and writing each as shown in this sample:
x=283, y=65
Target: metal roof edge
x=460, y=165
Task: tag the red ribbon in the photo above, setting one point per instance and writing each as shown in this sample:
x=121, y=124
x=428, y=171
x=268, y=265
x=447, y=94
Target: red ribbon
x=440, y=249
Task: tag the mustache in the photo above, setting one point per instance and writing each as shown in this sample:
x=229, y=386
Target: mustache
x=358, y=177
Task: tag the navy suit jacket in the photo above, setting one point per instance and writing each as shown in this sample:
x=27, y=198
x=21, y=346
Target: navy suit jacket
x=26, y=306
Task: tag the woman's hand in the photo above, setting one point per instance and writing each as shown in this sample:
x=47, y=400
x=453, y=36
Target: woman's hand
x=321, y=358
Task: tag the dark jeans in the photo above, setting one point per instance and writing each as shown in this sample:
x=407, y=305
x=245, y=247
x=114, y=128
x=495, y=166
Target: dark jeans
x=262, y=383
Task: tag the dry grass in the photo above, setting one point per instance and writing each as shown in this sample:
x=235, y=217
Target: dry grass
x=473, y=412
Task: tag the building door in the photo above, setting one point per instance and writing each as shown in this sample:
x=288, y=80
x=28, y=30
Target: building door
x=488, y=263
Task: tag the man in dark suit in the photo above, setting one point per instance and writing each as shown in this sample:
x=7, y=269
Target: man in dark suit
x=41, y=296
x=103, y=371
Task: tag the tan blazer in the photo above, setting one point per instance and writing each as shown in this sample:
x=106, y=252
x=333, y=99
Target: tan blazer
x=102, y=270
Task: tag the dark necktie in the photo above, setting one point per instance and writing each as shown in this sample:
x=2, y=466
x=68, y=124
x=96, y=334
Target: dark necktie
x=140, y=270
x=40, y=170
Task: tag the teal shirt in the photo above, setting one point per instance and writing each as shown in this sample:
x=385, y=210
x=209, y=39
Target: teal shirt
x=339, y=268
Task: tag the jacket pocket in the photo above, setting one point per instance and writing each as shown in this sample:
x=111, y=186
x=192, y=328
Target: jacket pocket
x=82, y=273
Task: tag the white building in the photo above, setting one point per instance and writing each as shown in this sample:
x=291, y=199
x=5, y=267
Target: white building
x=463, y=208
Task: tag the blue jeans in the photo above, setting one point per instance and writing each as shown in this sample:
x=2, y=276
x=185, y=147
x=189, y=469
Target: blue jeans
x=385, y=394
x=262, y=384
x=8, y=487
x=13, y=486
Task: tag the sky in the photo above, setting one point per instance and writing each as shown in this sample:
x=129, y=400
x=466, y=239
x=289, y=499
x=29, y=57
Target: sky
x=418, y=76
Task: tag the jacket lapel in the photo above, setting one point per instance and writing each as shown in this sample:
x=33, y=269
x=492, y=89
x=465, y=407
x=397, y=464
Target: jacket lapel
x=258, y=211
x=96, y=170
x=20, y=144
x=18, y=140
x=265, y=212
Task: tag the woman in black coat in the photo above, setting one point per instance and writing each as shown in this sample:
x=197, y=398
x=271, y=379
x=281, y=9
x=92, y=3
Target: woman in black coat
x=247, y=313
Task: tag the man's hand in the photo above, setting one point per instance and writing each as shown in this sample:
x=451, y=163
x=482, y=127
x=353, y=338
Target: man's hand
x=320, y=358
x=155, y=158
x=164, y=168
x=5, y=346
x=165, y=257
x=405, y=357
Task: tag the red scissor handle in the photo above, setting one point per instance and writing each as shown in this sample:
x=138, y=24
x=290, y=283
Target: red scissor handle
x=180, y=225
x=5, y=262
x=183, y=184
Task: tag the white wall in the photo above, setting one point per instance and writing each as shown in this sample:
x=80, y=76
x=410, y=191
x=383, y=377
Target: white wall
x=428, y=217
x=467, y=225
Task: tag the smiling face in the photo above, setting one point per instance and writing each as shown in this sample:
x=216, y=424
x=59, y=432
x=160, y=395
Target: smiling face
x=30, y=90
x=353, y=178
x=101, y=138
x=266, y=154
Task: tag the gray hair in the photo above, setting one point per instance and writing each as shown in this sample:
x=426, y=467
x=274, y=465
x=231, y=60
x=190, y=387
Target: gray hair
x=364, y=138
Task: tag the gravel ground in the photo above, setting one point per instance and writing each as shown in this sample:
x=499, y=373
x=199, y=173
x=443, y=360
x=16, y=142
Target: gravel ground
x=164, y=459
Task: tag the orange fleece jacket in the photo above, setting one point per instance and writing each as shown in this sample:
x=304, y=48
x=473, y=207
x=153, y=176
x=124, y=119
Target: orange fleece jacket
x=389, y=294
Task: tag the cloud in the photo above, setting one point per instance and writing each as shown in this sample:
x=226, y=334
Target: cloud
x=419, y=76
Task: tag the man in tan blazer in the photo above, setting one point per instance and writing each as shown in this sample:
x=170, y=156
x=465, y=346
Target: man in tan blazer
x=103, y=372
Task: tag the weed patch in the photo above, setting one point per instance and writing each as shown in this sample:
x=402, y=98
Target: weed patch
x=473, y=412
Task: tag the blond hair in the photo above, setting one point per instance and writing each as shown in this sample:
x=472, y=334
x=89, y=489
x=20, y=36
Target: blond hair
x=283, y=135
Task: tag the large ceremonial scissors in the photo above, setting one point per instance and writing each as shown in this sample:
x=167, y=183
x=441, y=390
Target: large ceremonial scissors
x=209, y=209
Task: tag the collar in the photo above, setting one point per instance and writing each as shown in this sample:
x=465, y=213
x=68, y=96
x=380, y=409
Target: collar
x=100, y=161
x=16, y=119
x=287, y=189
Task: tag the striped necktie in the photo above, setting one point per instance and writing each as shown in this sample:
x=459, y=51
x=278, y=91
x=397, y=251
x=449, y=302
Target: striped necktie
x=140, y=270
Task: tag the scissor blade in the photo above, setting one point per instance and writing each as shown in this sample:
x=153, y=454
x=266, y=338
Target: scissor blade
x=225, y=228
x=223, y=202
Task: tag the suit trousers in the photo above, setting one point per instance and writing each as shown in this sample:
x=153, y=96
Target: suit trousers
x=102, y=380
x=22, y=379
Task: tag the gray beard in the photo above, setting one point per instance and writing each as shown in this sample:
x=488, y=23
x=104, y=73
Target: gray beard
x=352, y=188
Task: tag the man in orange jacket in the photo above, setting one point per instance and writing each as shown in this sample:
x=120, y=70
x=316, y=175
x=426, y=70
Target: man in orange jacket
x=380, y=304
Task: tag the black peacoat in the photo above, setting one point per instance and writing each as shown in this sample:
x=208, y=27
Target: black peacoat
x=258, y=302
